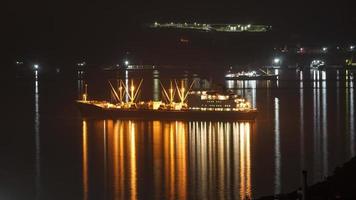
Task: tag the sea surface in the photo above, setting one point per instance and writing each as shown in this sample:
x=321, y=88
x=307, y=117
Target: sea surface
x=48, y=151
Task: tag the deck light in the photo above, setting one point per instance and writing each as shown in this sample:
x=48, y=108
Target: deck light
x=276, y=60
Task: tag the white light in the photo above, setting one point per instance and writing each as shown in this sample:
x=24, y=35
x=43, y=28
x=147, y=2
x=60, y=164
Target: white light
x=352, y=47
x=276, y=60
x=126, y=62
x=317, y=63
x=325, y=49
x=35, y=66
x=276, y=71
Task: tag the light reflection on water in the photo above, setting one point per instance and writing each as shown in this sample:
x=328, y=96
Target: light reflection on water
x=350, y=111
x=246, y=89
x=184, y=154
x=85, y=161
x=311, y=119
x=37, y=139
x=352, y=119
x=301, y=123
x=213, y=159
x=277, y=149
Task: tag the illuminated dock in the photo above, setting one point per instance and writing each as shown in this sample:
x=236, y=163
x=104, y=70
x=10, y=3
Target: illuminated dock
x=214, y=27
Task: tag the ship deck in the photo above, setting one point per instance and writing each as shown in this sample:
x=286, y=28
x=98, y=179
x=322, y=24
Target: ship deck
x=89, y=110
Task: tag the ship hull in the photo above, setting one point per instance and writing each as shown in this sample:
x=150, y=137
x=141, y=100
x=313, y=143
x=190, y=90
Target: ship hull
x=93, y=111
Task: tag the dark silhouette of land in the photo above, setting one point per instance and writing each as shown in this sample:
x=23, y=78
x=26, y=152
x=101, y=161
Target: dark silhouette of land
x=340, y=185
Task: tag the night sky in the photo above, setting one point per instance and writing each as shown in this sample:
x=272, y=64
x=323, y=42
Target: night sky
x=102, y=30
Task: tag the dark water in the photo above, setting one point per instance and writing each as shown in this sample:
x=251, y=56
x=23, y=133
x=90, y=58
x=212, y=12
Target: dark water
x=48, y=151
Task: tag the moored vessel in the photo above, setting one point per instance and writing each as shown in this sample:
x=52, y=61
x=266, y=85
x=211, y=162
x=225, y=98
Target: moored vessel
x=179, y=103
x=250, y=75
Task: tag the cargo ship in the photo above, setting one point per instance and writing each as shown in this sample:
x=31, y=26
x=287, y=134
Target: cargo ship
x=179, y=103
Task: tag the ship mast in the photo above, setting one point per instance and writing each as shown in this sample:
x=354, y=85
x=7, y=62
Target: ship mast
x=120, y=90
x=129, y=90
x=182, y=92
x=118, y=98
x=170, y=94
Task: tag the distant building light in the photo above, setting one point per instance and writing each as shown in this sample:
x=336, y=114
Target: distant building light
x=35, y=66
x=352, y=47
x=81, y=64
x=324, y=49
x=127, y=62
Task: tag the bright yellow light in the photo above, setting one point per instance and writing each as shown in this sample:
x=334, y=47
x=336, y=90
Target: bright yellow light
x=133, y=173
x=85, y=162
x=84, y=97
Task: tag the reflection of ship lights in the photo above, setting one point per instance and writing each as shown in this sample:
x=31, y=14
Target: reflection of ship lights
x=133, y=166
x=277, y=148
x=85, y=161
x=323, y=75
x=206, y=145
x=37, y=136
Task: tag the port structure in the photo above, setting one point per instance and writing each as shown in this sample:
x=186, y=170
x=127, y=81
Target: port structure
x=213, y=27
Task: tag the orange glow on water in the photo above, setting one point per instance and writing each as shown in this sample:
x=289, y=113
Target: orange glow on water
x=133, y=167
x=122, y=161
x=245, y=161
x=157, y=155
x=248, y=160
x=212, y=157
x=182, y=159
x=116, y=158
x=85, y=161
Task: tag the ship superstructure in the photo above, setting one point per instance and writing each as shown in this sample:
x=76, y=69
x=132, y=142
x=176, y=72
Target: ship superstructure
x=215, y=101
